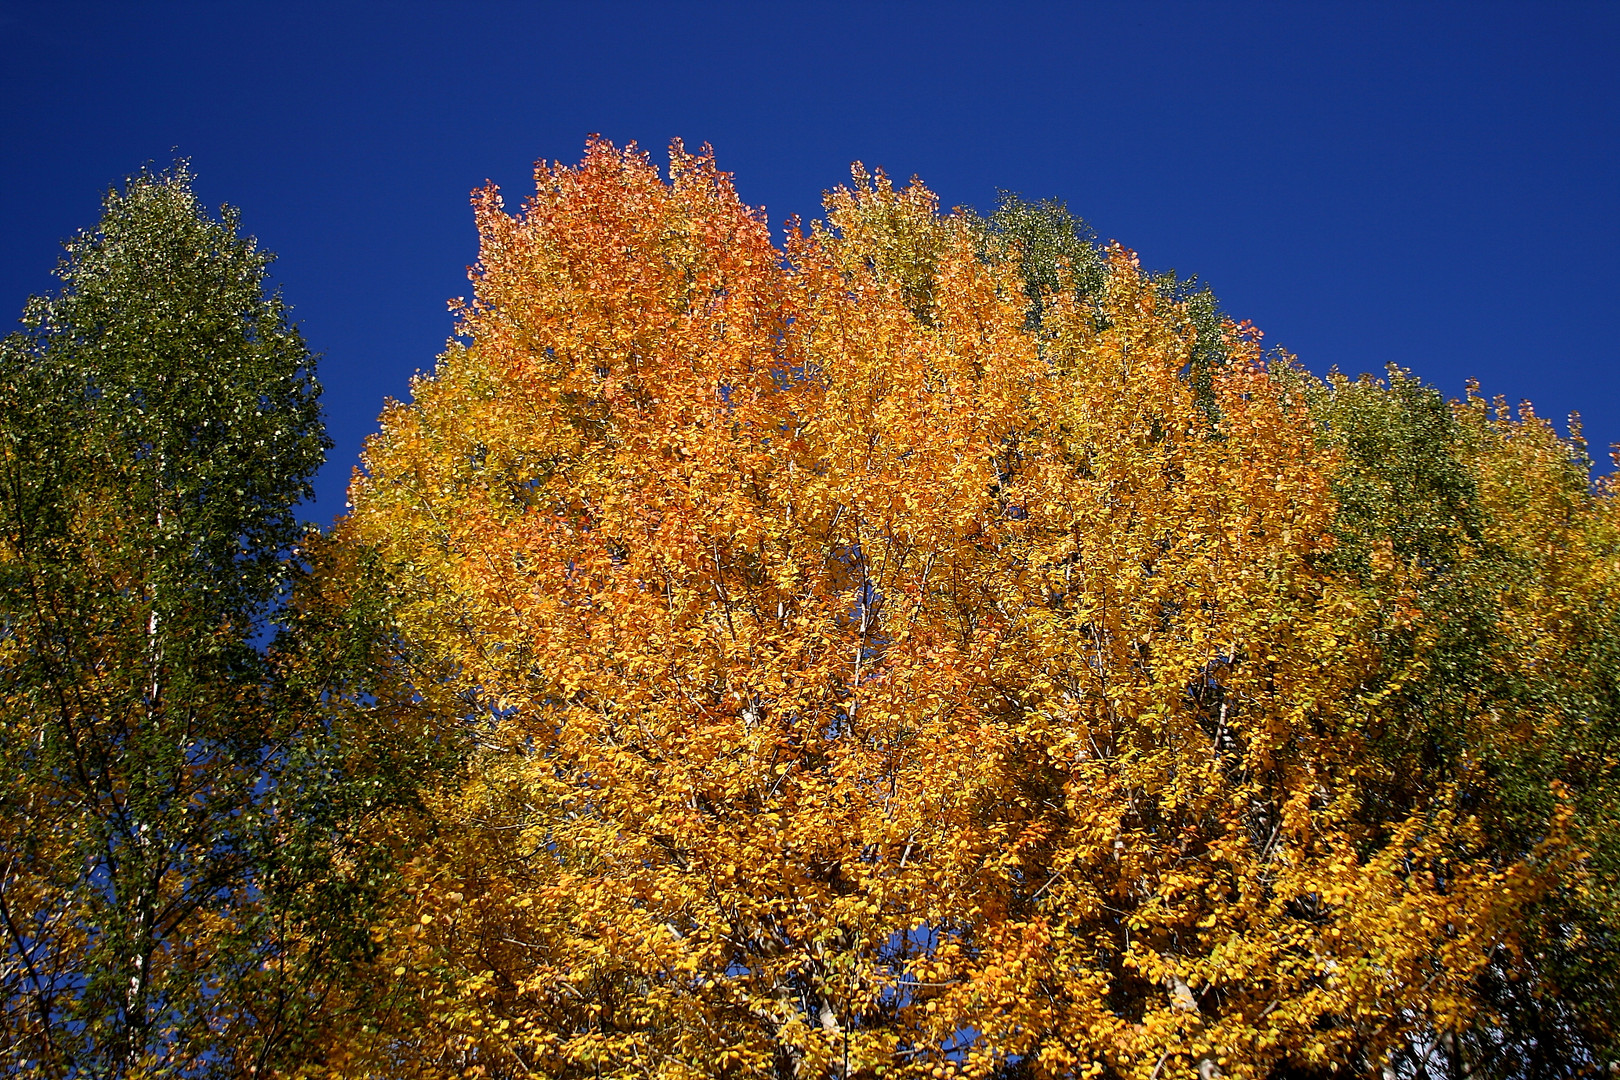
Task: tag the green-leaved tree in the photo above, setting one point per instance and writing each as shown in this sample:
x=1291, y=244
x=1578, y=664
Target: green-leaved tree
x=171, y=813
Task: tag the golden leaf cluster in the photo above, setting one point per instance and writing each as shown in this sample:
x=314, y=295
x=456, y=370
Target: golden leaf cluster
x=867, y=680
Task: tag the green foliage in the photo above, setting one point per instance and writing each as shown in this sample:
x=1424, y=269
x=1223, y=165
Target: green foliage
x=176, y=832
x=1494, y=558
x=1056, y=252
x=1407, y=504
x=1210, y=329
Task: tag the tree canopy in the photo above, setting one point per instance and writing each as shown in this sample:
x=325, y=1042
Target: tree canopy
x=170, y=805
x=928, y=649
x=931, y=646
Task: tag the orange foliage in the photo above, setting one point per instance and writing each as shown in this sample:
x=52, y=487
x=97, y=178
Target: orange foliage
x=866, y=684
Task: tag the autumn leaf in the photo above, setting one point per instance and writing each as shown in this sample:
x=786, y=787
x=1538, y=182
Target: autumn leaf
x=863, y=674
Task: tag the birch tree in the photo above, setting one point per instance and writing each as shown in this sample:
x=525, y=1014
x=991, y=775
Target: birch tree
x=159, y=422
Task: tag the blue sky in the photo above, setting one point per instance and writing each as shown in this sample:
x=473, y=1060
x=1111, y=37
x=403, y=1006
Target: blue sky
x=1430, y=185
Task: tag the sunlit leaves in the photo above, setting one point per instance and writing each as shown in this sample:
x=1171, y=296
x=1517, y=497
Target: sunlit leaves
x=167, y=806
x=875, y=668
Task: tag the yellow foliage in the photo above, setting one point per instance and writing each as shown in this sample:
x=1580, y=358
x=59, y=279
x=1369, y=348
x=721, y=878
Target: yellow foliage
x=864, y=683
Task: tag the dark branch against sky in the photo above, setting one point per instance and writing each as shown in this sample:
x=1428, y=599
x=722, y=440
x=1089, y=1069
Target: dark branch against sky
x=1429, y=185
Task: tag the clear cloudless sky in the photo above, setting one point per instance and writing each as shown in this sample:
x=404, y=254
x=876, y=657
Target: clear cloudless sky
x=1430, y=185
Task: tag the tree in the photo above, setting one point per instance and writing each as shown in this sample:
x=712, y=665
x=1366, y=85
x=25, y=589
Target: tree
x=1499, y=679
x=869, y=675
x=163, y=856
